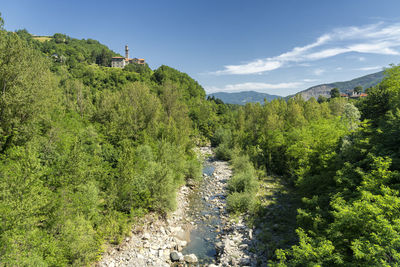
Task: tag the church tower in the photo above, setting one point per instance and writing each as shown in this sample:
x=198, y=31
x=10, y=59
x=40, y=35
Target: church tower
x=126, y=51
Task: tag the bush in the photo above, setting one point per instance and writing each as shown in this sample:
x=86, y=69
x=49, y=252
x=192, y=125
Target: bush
x=243, y=182
x=242, y=164
x=242, y=186
x=239, y=202
x=223, y=152
x=193, y=169
x=221, y=136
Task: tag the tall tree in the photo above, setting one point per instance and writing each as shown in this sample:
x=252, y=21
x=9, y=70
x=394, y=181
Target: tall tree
x=335, y=93
x=358, y=89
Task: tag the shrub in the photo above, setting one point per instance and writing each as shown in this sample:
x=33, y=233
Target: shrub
x=221, y=136
x=242, y=164
x=223, y=152
x=239, y=202
x=193, y=169
x=243, y=182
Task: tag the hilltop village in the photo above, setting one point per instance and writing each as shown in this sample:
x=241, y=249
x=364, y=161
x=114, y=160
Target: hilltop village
x=121, y=62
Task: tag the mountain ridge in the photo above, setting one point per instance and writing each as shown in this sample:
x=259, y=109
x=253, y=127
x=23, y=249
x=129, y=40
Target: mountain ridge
x=365, y=81
x=243, y=97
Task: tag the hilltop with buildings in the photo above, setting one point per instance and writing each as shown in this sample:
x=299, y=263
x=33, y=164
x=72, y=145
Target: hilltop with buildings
x=121, y=62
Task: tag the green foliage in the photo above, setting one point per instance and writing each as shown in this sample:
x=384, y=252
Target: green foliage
x=239, y=202
x=242, y=186
x=352, y=217
x=345, y=168
x=86, y=149
x=335, y=93
x=25, y=92
x=322, y=99
x=191, y=88
x=1, y=22
x=223, y=152
x=194, y=170
x=221, y=136
x=358, y=89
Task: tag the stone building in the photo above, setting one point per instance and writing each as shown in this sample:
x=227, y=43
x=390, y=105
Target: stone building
x=121, y=62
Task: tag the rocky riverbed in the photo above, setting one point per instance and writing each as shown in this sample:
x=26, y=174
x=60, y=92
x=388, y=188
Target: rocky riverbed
x=198, y=233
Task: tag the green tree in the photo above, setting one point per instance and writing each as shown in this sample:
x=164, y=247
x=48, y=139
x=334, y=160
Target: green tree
x=335, y=93
x=25, y=90
x=358, y=89
x=322, y=99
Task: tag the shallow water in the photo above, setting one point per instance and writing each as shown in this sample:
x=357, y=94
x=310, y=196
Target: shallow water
x=206, y=217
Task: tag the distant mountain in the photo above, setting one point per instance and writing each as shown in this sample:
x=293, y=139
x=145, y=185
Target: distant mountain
x=324, y=89
x=244, y=97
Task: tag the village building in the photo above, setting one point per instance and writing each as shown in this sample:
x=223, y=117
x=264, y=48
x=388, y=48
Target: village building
x=121, y=62
x=353, y=95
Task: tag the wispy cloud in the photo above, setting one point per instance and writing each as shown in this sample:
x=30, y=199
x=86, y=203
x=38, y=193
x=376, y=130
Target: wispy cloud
x=252, y=86
x=309, y=80
x=380, y=38
x=318, y=71
x=370, y=68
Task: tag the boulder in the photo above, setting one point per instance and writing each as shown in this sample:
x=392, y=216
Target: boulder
x=191, y=258
x=219, y=246
x=176, y=256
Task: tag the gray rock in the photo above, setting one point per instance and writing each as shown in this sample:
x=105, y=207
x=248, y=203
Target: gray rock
x=219, y=247
x=191, y=258
x=243, y=246
x=176, y=256
x=162, y=230
x=245, y=261
x=146, y=236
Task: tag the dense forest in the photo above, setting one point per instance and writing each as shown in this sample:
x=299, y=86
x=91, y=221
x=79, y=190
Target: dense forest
x=86, y=149
x=341, y=156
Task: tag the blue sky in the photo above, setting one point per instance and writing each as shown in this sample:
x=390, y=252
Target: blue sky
x=278, y=47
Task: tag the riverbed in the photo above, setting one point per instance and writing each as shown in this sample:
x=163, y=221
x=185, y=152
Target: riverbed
x=198, y=233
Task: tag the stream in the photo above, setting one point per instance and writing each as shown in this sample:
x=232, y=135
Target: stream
x=198, y=233
x=206, y=218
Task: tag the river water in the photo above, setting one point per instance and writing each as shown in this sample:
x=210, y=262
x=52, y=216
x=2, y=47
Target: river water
x=206, y=217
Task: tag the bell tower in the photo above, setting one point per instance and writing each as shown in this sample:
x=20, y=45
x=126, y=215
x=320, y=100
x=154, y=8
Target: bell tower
x=126, y=51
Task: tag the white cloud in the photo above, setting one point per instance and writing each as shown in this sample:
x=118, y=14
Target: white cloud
x=380, y=38
x=252, y=86
x=318, y=71
x=305, y=64
x=250, y=68
x=370, y=68
x=309, y=80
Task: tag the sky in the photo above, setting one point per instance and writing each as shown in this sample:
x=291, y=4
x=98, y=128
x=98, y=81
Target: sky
x=273, y=46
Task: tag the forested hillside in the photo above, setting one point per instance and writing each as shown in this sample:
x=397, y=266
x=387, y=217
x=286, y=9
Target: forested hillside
x=365, y=82
x=342, y=159
x=86, y=149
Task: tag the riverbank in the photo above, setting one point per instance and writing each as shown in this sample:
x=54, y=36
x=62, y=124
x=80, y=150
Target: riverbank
x=157, y=241
x=200, y=232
